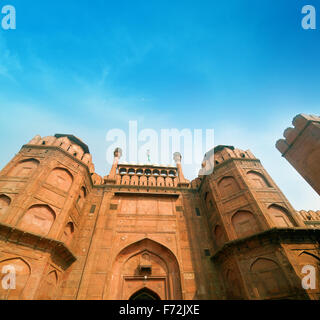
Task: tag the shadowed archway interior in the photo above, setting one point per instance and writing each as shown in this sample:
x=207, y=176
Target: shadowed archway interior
x=144, y=294
x=145, y=269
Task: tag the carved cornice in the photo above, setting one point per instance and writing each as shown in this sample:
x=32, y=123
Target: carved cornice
x=271, y=236
x=37, y=242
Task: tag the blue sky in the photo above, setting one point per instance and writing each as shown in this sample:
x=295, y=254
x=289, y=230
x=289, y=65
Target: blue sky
x=243, y=68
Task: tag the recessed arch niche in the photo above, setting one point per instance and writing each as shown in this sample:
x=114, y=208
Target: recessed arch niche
x=38, y=219
x=60, y=178
x=22, y=272
x=228, y=186
x=244, y=223
x=233, y=286
x=144, y=294
x=268, y=278
x=24, y=168
x=280, y=216
x=257, y=180
x=5, y=202
x=49, y=286
x=142, y=265
x=68, y=233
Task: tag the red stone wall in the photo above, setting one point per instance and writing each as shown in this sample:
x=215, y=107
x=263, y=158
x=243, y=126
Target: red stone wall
x=73, y=235
x=301, y=147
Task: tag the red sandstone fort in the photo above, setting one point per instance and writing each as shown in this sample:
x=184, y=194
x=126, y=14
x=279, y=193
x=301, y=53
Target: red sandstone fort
x=145, y=232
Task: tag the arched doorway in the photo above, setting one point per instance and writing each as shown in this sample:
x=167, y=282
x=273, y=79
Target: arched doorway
x=142, y=270
x=144, y=294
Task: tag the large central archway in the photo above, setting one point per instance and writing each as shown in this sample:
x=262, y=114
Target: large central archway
x=145, y=270
x=144, y=294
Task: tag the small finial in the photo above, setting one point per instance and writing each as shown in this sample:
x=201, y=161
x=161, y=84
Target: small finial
x=177, y=157
x=148, y=156
x=117, y=153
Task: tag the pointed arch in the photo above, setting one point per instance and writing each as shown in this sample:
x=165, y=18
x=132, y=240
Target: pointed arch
x=60, y=178
x=49, y=286
x=147, y=244
x=5, y=202
x=38, y=219
x=281, y=216
x=145, y=294
x=233, y=285
x=22, y=271
x=257, y=180
x=68, y=233
x=269, y=278
x=81, y=197
x=310, y=254
x=129, y=267
x=244, y=223
x=228, y=186
x=24, y=168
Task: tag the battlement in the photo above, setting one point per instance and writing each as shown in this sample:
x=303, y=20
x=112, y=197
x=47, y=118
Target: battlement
x=300, y=123
x=73, y=146
x=301, y=147
x=310, y=218
x=223, y=153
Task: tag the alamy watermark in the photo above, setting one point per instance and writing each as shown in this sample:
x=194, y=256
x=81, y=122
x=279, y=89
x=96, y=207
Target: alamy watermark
x=309, y=280
x=8, y=282
x=149, y=145
x=309, y=17
x=8, y=20
x=8, y=17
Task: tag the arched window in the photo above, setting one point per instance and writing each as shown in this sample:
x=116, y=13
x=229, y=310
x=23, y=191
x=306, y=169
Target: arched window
x=164, y=173
x=38, y=219
x=22, y=270
x=4, y=204
x=280, y=216
x=228, y=186
x=268, y=278
x=156, y=172
x=49, y=286
x=61, y=179
x=68, y=233
x=257, y=180
x=172, y=173
x=244, y=223
x=81, y=197
x=123, y=171
x=24, y=168
x=131, y=171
